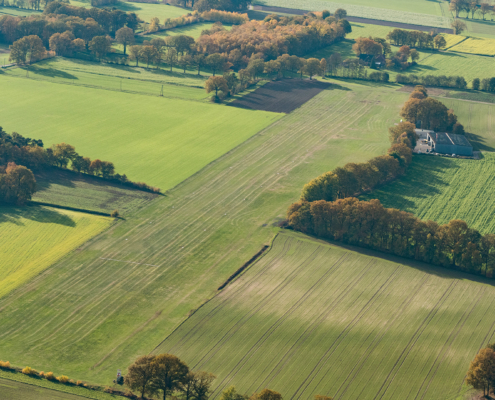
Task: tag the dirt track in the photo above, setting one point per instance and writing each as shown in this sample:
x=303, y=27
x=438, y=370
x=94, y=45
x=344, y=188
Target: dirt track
x=357, y=19
x=281, y=96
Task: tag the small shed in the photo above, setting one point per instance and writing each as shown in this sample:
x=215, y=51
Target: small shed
x=449, y=143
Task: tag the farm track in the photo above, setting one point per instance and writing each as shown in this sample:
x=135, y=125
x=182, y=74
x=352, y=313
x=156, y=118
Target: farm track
x=90, y=295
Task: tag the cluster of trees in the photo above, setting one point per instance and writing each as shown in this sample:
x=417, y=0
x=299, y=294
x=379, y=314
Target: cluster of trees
x=356, y=178
x=329, y=209
x=31, y=153
x=471, y=7
x=275, y=36
x=109, y=20
x=166, y=375
x=368, y=224
x=429, y=113
x=417, y=39
x=432, y=80
x=17, y=184
x=487, y=84
x=481, y=372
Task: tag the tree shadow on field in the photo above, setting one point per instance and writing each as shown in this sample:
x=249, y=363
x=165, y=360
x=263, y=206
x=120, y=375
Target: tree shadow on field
x=423, y=180
x=14, y=215
x=50, y=72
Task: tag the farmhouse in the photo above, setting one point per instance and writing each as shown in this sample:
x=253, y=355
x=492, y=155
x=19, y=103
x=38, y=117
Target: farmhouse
x=369, y=59
x=443, y=143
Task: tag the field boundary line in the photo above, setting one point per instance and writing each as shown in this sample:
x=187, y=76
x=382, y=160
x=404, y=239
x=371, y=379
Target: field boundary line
x=256, y=346
x=419, y=331
x=206, y=302
x=128, y=262
x=338, y=341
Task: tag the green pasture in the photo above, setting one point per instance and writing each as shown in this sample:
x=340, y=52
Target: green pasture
x=442, y=189
x=120, y=296
x=17, y=12
x=417, y=12
x=150, y=81
x=156, y=140
x=193, y=30
x=311, y=318
x=34, y=238
x=367, y=30
x=69, y=189
x=477, y=118
x=472, y=96
x=17, y=386
x=144, y=11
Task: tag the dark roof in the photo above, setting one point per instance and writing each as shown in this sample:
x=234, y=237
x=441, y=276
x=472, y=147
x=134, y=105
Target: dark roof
x=370, y=57
x=449, y=139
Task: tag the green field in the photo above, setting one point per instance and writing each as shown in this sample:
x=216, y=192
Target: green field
x=448, y=63
x=367, y=30
x=75, y=72
x=311, y=318
x=193, y=30
x=143, y=276
x=34, y=238
x=418, y=12
x=17, y=386
x=159, y=141
x=144, y=11
x=17, y=12
x=478, y=120
x=442, y=189
x=68, y=189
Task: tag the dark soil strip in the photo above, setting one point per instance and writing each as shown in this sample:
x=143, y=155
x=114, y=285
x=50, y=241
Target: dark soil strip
x=82, y=210
x=282, y=96
x=246, y=264
x=358, y=19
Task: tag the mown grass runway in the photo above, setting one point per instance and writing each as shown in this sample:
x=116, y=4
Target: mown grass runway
x=311, y=318
x=160, y=141
x=34, y=238
x=121, y=296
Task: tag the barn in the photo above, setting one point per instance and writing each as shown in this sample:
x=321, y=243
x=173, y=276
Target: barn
x=449, y=143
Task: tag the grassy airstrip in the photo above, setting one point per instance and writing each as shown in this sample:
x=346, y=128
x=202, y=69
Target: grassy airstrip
x=311, y=318
x=36, y=237
x=143, y=276
x=160, y=141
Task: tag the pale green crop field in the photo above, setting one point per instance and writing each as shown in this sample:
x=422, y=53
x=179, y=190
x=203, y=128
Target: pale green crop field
x=157, y=140
x=442, y=189
x=175, y=84
x=418, y=12
x=312, y=318
x=144, y=11
x=34, y=238
x=120, y=296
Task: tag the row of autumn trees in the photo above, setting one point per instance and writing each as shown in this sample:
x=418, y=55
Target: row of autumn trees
x=165, y=375
x=329, y=209
x=19, y=156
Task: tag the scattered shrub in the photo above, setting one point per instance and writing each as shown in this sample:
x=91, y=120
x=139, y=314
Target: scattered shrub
x=41, y=374
x=5, y=364
x=115, y=214
x=79, y=383
x=63, y=379
x=29, y=371
x=50, y=376
x=128, y=393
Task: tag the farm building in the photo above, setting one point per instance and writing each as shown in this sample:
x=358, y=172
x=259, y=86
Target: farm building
x=368, y=60
x=443, y=143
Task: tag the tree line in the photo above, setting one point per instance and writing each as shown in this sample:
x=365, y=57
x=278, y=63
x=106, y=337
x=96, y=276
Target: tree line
x=328, y=207
x=471, y=7
x=19, y=156
x=416, y=39
x=165, y=375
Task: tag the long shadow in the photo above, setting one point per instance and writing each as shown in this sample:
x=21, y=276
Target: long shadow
x=14, y=215
x=478, y=142
x=423, y=180
x=50, y=72
x=115, y=66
